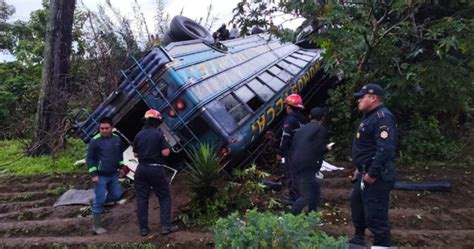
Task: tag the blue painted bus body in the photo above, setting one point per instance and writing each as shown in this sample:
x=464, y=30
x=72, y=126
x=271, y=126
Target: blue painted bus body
x=226, y=98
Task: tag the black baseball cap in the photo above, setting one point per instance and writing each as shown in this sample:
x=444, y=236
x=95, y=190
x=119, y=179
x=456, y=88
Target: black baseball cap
x=318, y=113
x=371, y=88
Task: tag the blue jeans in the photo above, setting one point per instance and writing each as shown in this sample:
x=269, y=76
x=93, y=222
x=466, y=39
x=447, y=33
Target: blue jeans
x=107, y=189
x=310, y=191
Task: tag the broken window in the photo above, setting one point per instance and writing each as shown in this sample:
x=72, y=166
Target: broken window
x=235, y=108
x=249, y=97
x=201, y=130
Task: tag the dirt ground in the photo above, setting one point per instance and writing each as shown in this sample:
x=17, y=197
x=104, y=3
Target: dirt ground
x=419, y=219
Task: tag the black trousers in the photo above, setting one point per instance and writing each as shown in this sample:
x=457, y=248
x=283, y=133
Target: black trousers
x=370, y=210
x=293, y=189
x=148, y=178
x=310, y=189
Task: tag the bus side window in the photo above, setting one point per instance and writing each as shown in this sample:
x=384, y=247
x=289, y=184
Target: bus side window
x=249, y=97
x=201, y=129
x=263, y=91
x=235, y=108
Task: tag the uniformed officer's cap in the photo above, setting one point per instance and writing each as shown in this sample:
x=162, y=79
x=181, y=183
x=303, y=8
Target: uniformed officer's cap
x=371, y=88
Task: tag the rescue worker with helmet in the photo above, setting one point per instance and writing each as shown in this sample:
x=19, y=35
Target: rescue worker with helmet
x=293, y=121
x=151, y=148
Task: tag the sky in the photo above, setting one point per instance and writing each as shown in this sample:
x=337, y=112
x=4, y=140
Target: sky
x=193, y=9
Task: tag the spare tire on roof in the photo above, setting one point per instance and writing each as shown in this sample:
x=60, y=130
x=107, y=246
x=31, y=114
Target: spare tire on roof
x=183, y=29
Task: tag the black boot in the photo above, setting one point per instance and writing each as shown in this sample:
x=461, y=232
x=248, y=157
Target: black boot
x=97, y=227
x=168, y=230
x=359, y=238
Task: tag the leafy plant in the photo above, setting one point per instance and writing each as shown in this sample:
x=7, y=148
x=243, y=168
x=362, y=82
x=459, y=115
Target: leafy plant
x=209, y=202
x=240, y=193
x=267, y=230
x=204, y=170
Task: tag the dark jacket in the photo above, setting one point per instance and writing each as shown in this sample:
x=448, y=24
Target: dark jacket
x=308, y=148
x=293, y=121
x=373, y=149
x=105, y=155
x=148, y=144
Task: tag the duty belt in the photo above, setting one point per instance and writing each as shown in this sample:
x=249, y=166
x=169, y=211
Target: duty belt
x=154, y=164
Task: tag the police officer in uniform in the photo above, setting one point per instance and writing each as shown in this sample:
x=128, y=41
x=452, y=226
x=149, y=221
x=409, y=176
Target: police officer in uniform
x=293, y=121
x=151, y=148
x=373, y=154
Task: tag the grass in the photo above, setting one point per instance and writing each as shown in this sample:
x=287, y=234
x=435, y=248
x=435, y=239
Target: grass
x=14, y=162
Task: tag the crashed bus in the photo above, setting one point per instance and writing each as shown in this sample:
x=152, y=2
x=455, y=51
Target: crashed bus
x=225, y=95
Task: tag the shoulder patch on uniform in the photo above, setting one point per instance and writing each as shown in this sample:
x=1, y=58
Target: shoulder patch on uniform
x=97, y=136
x=384, y=134
x=380, y=114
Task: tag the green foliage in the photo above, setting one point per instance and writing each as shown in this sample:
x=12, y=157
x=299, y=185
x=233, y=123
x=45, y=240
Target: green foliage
x=420, y=51
x=248, y=15
x=421, y=62
x=247, y=184
x=19, y=87
x=14, y=162
x=204, y=170
x=212, y=198
x=266, y=230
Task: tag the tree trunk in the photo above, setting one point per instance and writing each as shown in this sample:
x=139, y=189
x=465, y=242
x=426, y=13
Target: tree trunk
x=52, y=103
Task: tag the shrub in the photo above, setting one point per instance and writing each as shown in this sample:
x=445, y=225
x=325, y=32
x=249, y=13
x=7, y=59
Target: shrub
x=204, y=170
x=266, y=230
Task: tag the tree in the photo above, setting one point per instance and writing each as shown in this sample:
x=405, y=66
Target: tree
x=420, y=51
x=6, y=11
x=52, y=104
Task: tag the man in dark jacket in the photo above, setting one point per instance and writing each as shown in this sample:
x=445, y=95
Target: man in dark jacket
x=151, y=148
x=105, y=161
x=308, y=148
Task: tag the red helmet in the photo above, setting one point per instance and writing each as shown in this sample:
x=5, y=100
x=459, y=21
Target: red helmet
x=294, y=100
x=152, y=113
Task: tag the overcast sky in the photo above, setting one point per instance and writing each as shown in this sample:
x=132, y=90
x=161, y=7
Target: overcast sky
x=193, y=9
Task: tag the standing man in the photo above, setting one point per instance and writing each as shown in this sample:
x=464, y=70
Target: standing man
x=293, y=121
x=373, y=154
x=105, y=161
x=151, y=148
x=309, y=146
x=234, y=32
